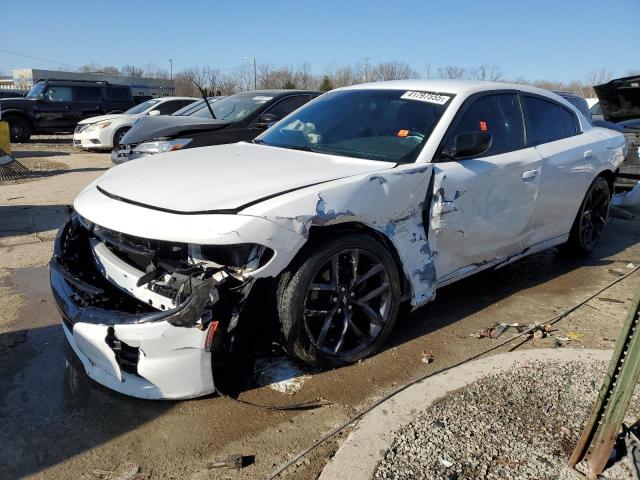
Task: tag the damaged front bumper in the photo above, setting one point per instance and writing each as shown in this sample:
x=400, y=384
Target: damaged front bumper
x=125, y=341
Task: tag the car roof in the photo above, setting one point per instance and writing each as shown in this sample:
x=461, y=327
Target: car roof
x=175, y=98
x=456, y=87
x=281, y=91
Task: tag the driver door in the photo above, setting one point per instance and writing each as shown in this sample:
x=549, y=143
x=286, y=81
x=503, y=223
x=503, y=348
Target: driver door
x=483, y=205
x=58, y=109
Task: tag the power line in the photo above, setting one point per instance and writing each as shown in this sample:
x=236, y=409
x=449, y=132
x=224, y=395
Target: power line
x=38, y=58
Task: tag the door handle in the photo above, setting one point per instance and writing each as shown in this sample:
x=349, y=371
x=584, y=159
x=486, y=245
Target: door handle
x=529, y=175
x=588, y=154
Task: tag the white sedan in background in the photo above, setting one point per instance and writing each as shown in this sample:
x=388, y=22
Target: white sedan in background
x=366, y=197
x=105, y=131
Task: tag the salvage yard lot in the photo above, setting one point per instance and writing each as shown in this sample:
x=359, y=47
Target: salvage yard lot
x=57, y=424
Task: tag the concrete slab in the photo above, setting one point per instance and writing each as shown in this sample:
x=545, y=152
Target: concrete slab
x=360, y=454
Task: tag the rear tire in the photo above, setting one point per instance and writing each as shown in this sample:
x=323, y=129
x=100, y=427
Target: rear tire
x=329, y=319
x=20, y=129
x=591, y=219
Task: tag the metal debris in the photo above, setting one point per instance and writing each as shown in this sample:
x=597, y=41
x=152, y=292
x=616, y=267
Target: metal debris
x=232, y=461
x=427, y=357
x=617, y=272
x=610, y=300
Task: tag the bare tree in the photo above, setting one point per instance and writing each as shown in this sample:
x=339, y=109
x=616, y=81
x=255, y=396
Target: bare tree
x=132, y=71
x=154, y=71
x=392, y=71
x=486, y=71
x=451, y=71
x=598, y=76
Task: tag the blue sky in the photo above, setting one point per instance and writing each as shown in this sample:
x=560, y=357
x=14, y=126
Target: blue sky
x=555, y=40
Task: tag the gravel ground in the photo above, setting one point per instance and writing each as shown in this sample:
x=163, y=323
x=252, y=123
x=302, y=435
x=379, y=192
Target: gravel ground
x=520, y=424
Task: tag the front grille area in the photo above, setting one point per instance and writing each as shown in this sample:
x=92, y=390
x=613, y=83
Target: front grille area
x=138, y=251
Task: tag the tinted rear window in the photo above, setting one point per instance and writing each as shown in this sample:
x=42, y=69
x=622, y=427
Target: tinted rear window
x=570, y=123
x=118, y=93
x=544, y=121
x=89, y=93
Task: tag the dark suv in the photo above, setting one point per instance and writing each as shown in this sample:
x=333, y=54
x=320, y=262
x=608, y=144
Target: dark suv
x=58, y=105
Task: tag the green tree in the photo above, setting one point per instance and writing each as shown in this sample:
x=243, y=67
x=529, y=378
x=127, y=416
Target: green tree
x=326, y=84
x=289, y=85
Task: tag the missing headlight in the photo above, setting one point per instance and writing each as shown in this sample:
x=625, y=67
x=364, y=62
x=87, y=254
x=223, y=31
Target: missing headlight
x=240, y=256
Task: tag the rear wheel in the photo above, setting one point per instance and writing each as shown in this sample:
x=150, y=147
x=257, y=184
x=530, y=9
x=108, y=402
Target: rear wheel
x=340, y=304
x=20, y=128
x=591, y=219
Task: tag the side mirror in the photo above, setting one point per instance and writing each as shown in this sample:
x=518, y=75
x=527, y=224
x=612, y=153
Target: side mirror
x=39, y=97
x=468, y=144
x=154, y=113
x=266, y=120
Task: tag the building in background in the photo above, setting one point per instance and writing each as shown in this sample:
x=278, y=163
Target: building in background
x=24, y=78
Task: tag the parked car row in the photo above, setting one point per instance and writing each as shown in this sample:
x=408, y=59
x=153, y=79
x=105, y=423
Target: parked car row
x=362, y=199
x=239, y=117
x=106, y=131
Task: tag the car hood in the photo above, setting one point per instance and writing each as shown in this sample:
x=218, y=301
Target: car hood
x=100, y=118
x=149, y=128
x=224, y=177
x=620, y=98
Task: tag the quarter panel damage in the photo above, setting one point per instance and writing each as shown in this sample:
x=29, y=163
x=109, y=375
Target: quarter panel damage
x=391, y=202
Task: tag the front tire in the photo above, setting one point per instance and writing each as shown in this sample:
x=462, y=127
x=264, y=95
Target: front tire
x=20, y=129
x=591, y=218
x=118, y=136
x=340, y=303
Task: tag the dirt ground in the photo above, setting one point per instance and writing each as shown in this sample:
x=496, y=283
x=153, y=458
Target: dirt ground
x=58, y=424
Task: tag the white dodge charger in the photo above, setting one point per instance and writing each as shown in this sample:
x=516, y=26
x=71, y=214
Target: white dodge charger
x=365, y=198
x=105, y=131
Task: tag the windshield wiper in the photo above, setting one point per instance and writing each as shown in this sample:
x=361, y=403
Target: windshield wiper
x=204, y=97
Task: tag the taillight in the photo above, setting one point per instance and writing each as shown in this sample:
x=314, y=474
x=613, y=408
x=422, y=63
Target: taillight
x=213, y=326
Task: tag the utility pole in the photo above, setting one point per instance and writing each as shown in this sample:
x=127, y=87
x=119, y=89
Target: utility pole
x=173, y=90
x=366, y=69
x=255, y=72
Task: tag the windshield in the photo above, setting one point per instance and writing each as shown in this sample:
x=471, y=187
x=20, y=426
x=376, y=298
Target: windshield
x=142, y=107
x=235, y=107
x=36, y=90
x=388, y=125
x=196, y=106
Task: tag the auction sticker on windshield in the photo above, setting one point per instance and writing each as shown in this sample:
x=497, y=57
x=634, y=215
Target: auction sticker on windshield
x=426, y=97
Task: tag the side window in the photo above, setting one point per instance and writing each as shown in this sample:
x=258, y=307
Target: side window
x=570, y=123
x=544, y=121
x=117, y=93
x=499, y=115
x=288, y=105
x=167, y=108
x=56, y=93
x=88, y=94
x=596, y=109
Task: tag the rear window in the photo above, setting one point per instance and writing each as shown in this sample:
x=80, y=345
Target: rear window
x=88, y=93
x=544, y=121
x=118, y=93
x=570, y=123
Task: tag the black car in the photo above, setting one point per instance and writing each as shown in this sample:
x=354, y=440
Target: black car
x=239, y=117
x=53, y=106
